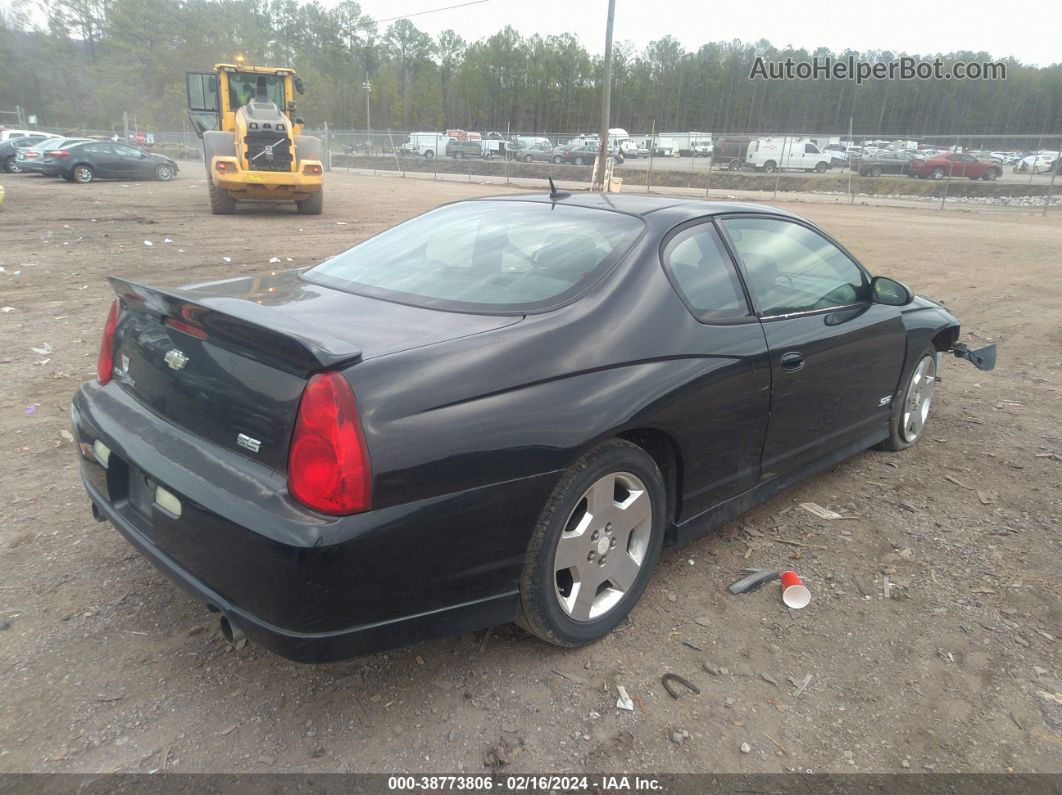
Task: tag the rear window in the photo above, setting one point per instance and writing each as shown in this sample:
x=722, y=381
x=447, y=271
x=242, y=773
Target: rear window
x=485, y=256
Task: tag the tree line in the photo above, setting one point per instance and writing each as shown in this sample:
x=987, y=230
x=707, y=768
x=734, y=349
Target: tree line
x=93, y=59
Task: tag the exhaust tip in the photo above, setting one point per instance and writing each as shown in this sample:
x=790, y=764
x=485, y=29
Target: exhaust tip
x=97, y=514
x=232, y=633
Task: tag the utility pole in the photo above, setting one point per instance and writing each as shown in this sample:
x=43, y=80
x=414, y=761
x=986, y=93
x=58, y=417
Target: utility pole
x=606, y=100
x=367, y=85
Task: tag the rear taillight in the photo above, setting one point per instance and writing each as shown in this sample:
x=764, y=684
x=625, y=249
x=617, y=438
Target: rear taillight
x=224, y=168
x=328, y=465
x=59, y=153
x=312, y=169
x=105, y=362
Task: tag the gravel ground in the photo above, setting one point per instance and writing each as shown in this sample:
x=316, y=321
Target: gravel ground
x=109, y=667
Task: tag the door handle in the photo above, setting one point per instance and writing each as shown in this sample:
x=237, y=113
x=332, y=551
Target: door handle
x=792, y=361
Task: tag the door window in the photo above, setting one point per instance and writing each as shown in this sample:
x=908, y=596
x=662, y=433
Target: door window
x=96, y=149
x=700, y=269
x=126, y=151
x=792, y=269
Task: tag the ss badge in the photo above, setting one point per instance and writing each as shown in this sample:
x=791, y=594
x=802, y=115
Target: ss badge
x=245, y=441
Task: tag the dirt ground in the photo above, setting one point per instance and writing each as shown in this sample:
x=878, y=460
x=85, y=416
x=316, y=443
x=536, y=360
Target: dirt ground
x=109, y=667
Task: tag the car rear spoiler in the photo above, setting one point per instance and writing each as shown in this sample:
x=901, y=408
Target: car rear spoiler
x=260, y=332
x=983, y=358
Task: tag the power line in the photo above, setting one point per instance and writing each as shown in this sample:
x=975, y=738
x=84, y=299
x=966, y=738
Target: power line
x=432, y=11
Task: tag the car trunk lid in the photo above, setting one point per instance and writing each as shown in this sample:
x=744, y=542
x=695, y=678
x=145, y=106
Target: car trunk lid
x=228, y=361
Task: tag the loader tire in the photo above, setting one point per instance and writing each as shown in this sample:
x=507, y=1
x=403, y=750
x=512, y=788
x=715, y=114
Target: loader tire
x=312, y=205
x=221, y=201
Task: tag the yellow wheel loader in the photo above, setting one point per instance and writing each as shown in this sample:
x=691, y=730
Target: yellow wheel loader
x=253, y=144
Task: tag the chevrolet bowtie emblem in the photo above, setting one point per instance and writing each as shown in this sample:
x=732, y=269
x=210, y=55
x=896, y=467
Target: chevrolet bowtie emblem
x=175, y=359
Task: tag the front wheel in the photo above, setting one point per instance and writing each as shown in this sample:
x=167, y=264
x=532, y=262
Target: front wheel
x=578, y=161
x=911, y=410
x=595, y=546
x=528, y=158
x=991, y=175
x=164, y=173
x=429, y=154
x=875, y=171
x=938, y=173
x=734, y=165
x=312, y=205
x=770, y=167
x=84, y=174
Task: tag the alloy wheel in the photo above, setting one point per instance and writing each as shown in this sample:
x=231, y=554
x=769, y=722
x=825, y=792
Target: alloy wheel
x=603, y=545
x=83, y=174
x=919, y=398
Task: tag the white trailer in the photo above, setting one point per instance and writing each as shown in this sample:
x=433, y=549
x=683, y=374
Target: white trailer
x=772, y=154
x=690, y=144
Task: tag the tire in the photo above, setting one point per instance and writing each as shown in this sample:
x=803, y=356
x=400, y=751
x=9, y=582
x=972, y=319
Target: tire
x=11, y=165
x=938, y=173
x=578, y=161
x=429, y=154
x=770, y=167
x=875, y=171
x=822, y=167
x=907, y=423
x=992, y=175
x=83, y=174
x=459, y=155
x=313, y=205
x=734, y=165
x=164, y=173
x=221, y=201
x=557, y=159
x=550, y=604
x=528, y=158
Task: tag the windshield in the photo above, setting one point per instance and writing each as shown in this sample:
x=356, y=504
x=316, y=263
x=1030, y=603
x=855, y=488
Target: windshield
x=485, y=256
x=245, y=86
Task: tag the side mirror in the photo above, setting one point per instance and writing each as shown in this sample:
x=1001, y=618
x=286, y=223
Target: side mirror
x=299, y=85
x=888, y=291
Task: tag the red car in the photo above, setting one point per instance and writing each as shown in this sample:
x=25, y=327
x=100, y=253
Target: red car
x=954, y=165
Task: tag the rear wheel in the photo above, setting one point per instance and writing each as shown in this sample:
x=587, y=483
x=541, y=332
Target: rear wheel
x=734, y=165
x=938, y=173
x=557, y=159
x=11, y=165
x=875, y=171
x=595, y=545
x=429, y=154
x=528, y=158
x=770, y=166
x=164, y=173
x=911, y=407
x=84, y=174
x=578, y=161
x=221, y=201
x=312, y=205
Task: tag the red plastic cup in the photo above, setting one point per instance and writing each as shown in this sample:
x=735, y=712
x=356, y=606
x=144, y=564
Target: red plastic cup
x=794, y=593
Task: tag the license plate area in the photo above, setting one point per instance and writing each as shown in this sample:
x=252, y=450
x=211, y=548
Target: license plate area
x=141, y=492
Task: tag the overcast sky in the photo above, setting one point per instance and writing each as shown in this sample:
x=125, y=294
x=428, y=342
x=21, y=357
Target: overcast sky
x=1025, y=30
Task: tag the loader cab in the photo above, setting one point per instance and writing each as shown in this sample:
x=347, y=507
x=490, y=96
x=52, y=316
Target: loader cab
x=215, y=97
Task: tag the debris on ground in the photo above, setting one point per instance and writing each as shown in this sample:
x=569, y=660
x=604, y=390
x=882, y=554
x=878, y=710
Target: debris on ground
x=795, y=594
x=679, y=736
x=800, y=685
x=624, y=701
x=746, y=748
x=756, y=578
x=819, y=511
x=668, y=678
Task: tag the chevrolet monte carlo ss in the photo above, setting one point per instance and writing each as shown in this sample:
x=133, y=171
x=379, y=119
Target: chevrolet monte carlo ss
x=496, y=411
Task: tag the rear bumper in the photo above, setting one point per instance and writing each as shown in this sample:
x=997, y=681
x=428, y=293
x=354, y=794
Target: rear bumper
x=308, y=587
x=270, y=185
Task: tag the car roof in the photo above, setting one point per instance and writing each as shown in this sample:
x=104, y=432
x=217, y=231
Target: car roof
x=677, y=206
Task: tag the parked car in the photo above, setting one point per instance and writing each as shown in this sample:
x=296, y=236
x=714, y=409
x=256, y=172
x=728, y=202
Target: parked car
x=883, y=163
x=387, y=446
x=9, y=149
x=10, y=135
x=462, y=149
x=34, y=159
x=954, y=164
x=424, y=144
x=536, y=153
x=89, y=160
x=1038, y=163
x=581, y=155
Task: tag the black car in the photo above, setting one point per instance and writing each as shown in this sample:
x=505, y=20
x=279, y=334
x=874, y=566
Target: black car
x=883, y=163
x=498, y=410
x=88, y=160
x=9, y=150
x=581, y=154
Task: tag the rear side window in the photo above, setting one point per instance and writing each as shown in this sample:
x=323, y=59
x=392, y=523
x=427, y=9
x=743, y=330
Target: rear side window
x=485, y=256
x=703, y=274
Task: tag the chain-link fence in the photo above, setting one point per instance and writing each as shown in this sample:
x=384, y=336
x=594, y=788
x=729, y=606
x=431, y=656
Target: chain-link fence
x=1003, y=172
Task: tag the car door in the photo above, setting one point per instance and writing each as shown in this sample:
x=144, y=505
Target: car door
x=128, y=162
x=835, y=356
x=724, y=412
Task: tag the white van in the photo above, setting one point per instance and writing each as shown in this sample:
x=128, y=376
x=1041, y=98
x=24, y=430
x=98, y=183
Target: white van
x=771, y=154
x=428, y=144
